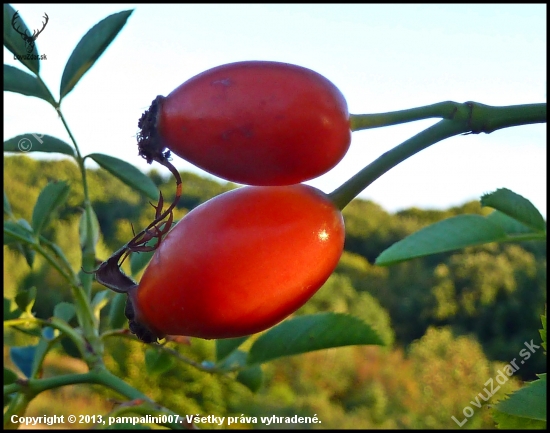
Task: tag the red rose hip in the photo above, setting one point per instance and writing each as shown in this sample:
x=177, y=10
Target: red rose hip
x=253, y=122
x=239, y=263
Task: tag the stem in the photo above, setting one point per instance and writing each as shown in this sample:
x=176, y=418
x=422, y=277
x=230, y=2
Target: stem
x=470, y=117
x=83, y=291
x=104, y=377
x=27, y=389
x=190, y=362
x=91, y=346
x=486, y=118
x=344, y=194
x=493, y=118
x=100, y=377
x=445, y=110
x=172, y=352
x=66, y=273
x=88, y=250
x=55, y=323
x=84, y=311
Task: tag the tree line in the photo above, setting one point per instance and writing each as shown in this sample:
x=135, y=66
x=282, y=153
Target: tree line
x=466, y=311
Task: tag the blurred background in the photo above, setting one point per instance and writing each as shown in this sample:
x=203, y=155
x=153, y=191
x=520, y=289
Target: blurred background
x=450, y=321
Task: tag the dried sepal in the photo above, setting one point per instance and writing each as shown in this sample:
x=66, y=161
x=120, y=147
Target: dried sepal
x=109, y=273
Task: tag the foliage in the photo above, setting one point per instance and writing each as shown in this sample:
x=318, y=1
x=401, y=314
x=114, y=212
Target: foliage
x=476, y=285
x=525, y=408
x=64, y=330
x=357, y=287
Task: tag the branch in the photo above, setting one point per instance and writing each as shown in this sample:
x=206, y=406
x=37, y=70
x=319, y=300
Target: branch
x=467, y=118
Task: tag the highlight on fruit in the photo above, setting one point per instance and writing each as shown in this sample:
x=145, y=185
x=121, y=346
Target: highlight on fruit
x=235, y=265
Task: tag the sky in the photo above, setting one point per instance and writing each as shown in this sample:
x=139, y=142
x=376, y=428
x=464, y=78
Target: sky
x=381, y=57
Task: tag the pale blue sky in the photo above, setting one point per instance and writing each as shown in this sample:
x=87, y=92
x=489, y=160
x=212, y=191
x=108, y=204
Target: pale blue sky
x=382, y=58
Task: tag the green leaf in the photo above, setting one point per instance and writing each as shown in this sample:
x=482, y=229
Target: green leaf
x=511, y=422
x=312, y=332
x=510, y=225
x=15, y=43
x=515, y=206
x=64, y=311
x=127, y=173
x=9, y=376
x=90, y=47
x=227, y=345
x=251, y=377
x=157, y=361
x=83, y=228
x=19, y=231
x=447, y=235
x=23, y=358
x=28, y=253
x=526, y=408
x=25, y=299
x=18, y=81
x=34, y=142
x=51, y=197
